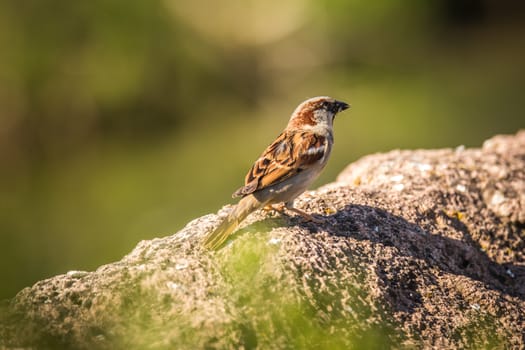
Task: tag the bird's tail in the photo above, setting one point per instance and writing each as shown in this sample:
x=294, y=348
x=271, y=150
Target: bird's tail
x=218, y=236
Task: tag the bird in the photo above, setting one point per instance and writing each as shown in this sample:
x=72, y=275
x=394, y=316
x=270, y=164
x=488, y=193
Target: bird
x=286, y=168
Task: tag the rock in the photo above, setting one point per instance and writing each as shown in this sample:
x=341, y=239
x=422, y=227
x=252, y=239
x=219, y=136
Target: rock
x=420, y=249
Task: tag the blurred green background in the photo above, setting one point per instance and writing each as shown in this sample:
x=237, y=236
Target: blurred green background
x=123, y=120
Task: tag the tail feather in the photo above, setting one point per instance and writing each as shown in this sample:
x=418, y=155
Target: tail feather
x=218, y=236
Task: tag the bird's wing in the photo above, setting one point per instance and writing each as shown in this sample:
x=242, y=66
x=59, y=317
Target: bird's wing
x=289, y=154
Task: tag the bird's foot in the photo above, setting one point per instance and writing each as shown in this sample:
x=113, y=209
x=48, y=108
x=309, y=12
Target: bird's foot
x=307, y=216
x=281, y=208
x=275, y=207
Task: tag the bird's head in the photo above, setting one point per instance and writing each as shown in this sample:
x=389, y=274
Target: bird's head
x=319, y=110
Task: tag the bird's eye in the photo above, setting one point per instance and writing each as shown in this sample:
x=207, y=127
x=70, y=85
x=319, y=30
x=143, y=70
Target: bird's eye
x=325, y=105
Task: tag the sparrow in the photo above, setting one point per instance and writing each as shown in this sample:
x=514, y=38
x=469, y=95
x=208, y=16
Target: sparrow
x=286, y=168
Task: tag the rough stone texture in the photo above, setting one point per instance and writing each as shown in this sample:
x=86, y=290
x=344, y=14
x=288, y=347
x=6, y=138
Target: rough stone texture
x=419, y=249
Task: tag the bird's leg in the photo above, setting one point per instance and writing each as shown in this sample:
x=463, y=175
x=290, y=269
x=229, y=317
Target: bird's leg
x=306, y=216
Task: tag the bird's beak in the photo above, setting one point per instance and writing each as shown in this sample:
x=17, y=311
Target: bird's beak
x=341, y=106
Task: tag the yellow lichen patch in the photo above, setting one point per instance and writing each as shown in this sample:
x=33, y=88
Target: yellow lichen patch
x=329, y=211
x=456, y=214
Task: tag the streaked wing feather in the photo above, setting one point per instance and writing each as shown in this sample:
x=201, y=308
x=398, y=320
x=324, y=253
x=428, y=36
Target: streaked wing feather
x=289, y=154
